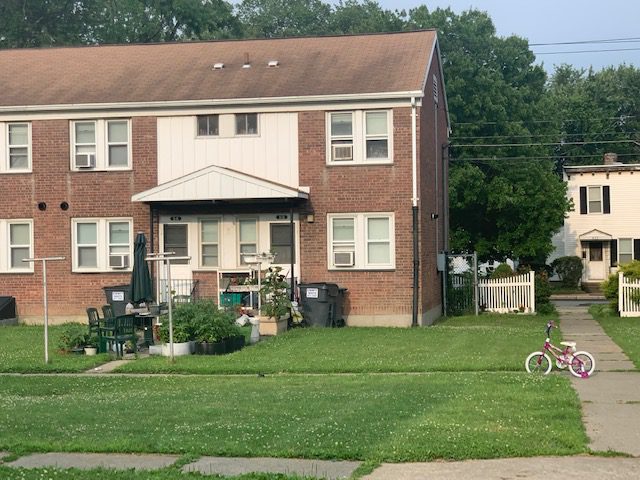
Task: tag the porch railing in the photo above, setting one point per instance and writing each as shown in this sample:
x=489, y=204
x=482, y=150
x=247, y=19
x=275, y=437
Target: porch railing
x=180, y=290
x=628, y=296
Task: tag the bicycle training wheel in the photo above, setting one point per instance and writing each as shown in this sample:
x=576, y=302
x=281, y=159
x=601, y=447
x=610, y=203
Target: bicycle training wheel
x=582, y=365
x=538, y=362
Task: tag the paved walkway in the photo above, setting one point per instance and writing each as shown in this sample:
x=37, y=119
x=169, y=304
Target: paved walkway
x=611, y=396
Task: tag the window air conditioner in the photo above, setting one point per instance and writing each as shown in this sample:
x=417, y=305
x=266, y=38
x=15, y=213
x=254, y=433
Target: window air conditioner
x=342, y=152
x=343, y=259
x=85, y=160
x=119, y=260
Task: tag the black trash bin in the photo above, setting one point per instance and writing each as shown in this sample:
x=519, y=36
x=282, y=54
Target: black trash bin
x=117, y=298
x=8, y=311
x=322, y=304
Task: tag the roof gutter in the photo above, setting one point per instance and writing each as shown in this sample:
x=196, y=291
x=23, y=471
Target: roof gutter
x=213, y=102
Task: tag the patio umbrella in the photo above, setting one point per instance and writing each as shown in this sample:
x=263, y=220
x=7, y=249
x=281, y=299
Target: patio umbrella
x=140, y=288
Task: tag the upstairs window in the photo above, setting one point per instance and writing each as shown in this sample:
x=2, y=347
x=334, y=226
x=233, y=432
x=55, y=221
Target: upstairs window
x=101, y=145
x=208, y=126
x=246, y=123
x=359, y=137
x=15, y=147
x=595, y=199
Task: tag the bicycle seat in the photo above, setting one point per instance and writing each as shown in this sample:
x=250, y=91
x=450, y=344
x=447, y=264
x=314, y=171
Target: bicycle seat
x=569, y=344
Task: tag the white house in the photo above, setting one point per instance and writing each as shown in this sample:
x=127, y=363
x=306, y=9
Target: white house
x=604, y=227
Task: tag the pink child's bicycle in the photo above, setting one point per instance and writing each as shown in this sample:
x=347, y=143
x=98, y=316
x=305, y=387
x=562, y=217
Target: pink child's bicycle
x=581, y=364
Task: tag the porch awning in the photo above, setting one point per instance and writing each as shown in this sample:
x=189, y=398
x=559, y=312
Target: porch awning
x=595, y=236
x=218, y=183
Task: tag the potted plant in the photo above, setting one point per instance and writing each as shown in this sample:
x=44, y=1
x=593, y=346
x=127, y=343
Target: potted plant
x=183, y=336
x=91, y=345
x=72, y=338
x=214, y=329
x=276, y=304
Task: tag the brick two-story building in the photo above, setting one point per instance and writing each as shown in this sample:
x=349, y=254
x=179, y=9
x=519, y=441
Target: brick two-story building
x=322, y=150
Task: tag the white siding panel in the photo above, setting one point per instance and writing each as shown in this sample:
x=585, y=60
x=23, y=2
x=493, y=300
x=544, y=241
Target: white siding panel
x=273, y=154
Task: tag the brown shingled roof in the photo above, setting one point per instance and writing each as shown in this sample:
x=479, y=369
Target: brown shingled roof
x=184, y=71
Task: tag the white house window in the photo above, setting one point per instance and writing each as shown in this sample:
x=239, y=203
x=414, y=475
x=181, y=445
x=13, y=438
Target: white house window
x=342, y=137
x=247, y=237
x=361, y=241
x=208, y=125
x=625, y=250
x=17, y=235
x=101, y=144
x=246, y=123
x=117, y=143
x=360, y=136
x=18, y=151
x=101, y=244
x=209, y=243
x=377, y=135
x=595, y=199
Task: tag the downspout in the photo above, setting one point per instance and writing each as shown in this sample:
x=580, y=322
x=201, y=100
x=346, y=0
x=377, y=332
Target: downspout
x=151, y=242
x=293, y=251
x=414, y=208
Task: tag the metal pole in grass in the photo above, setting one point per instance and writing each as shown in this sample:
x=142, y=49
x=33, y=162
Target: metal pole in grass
x=46, y=303
x=166, y=258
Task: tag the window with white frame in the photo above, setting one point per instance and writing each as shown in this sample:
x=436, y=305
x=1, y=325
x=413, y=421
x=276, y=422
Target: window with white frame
x=360, y=136
x=17, y=237
x=15, y=147
x=625, y=250
x=246, y=123
x=594, y=199
x=208, y=125
x=101, y=244
x=247, y=237
x=209, y=243
x=361, y=241
x=101, y=144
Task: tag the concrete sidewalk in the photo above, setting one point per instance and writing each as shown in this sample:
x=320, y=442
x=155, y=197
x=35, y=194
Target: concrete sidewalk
x=611, y=396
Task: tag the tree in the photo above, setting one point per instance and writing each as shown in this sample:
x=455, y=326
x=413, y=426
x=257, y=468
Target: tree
x=353, y=16
x=503, y=203
x=283, y=18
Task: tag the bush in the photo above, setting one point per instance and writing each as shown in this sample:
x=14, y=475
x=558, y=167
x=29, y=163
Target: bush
x=610, y=285
x=543, y=289
x=73, y=336
x=569, y=269
x=202, y=321
x=503, y=270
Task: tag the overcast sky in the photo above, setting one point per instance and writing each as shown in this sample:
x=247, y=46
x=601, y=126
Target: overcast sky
x=545, y=21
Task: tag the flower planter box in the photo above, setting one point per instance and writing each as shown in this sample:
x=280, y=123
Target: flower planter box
x=215, y=348
x=273, y=326
x=179, y=349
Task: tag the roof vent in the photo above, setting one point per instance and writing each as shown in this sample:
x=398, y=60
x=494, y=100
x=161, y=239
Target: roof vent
x=218, y=66
x=273, y=63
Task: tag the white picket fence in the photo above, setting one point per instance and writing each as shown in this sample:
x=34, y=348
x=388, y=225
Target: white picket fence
x=628, y=296
x=509, y=294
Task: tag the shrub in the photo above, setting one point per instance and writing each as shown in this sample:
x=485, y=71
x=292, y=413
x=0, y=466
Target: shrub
x=503, y=270
x=610, y=285
x=73, y=336
x=543, y=289
x=569, y=269
x=202, y=321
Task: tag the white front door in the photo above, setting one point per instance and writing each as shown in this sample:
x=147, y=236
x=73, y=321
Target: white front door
x=595, y=261
x=175, y=238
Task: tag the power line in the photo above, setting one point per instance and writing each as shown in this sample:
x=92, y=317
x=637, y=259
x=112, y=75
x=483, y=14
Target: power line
x=589, y=51
x=506, y=122
x=610, y=132
x=541, y=144
x=580, y=42
x=556, y=157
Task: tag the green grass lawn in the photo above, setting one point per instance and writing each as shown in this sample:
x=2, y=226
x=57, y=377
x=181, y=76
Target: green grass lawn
x=484, y=343
x=624, y=331
x=22, y=351
x=402, y=417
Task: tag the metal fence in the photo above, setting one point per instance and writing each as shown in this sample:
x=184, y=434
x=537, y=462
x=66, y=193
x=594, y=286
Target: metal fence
x=180, y=290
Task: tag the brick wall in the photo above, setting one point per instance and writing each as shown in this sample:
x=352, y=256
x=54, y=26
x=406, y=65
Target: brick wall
x=374, y=297
x=88, y=194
